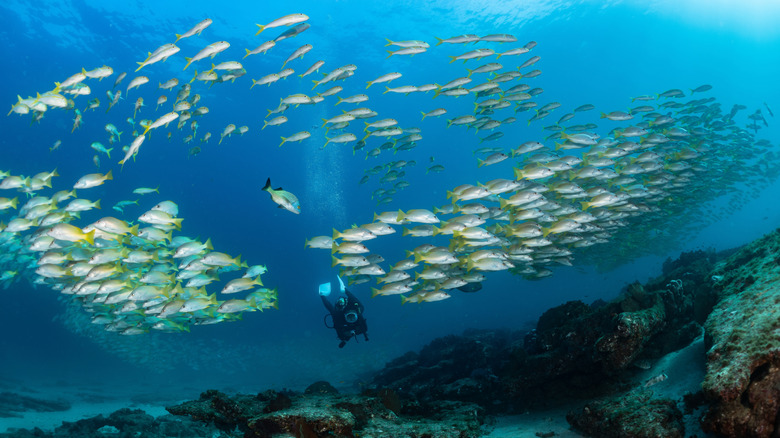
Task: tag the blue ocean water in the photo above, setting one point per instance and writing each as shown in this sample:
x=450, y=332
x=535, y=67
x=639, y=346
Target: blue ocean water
x=602, y=53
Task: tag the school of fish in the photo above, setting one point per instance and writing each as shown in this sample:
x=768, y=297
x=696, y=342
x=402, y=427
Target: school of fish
x=608, y=192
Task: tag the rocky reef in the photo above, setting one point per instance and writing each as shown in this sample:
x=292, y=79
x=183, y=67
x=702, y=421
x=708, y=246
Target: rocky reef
x=742, y=384
x=13, y=404
x=577, y=351
x=322, y=412
x=124, y=423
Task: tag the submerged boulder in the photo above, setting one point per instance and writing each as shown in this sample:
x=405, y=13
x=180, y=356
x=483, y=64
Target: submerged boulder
x=633, y=415
x=462, y=368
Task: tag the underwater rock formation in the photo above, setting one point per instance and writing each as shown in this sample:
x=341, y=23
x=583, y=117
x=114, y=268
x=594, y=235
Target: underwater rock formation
x=124, y=423
x=13, y=404
x=576, y=351
x=742, y=383
x=633, y=415
x=452, y=368
x=321, y=412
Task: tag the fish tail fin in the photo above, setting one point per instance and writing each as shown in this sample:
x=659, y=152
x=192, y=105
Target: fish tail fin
x=336, y=234
x=374, y=292
x=480, y=163
x=189, y=61
x=90, y=237
x=267, y=185
x=387, y=89
x=438, y=40
x=134, y=230
x=178, y=37
x=109, y=176
x=390, y=54
x=177, y=223
x=283, y=141
x=585, y=205
x=140, y=66
x=334, y=261
x=261, y=29
x=370, y=83
x=248, y=52
x=389, y=42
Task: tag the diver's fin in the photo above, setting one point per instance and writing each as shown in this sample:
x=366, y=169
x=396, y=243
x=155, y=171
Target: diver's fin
x=341, y=284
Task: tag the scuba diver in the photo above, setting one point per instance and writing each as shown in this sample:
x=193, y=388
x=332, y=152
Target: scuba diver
x=347, y=314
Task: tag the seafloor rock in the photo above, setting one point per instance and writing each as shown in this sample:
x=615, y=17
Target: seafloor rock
x=323, y=413
x=452, y=368
x=13, y=404
x=124, y=423
x=223, y=411
x=633, y=415
x=742, y=382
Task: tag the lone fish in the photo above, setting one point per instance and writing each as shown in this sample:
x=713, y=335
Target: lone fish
x=283, y=198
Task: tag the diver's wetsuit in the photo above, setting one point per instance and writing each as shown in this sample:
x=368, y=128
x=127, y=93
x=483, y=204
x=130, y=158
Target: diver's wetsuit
x=346, y=330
